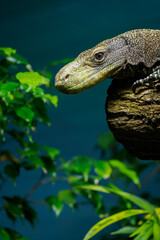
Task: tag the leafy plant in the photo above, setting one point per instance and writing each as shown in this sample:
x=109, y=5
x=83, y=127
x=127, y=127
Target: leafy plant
x=24, y=98
x=148, y=226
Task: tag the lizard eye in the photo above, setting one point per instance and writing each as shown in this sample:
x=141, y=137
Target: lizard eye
x=99, y=56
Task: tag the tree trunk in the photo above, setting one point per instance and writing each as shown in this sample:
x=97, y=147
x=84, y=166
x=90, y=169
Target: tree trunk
x=134, y=118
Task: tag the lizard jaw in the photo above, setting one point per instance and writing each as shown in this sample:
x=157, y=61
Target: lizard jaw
x=72, y=79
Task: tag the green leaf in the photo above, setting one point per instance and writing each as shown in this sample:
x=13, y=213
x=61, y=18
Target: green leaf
x=52, y=152
x=12, y=170
x=25, y=113
x=49, y=166
x=15, y=58
x=97, y=188
x=6, y=88
x=13, y=209
x=156, y=225
x=4, y=235
x=81, y=164
x=17, y=135
x=68, y=197
x=40, y=110
x=142, y=203
x=7, y=51
x=13, y=234
x=112, y=219
x=75, y=179
x=29, y=213
x=18, y=207
x=32, y=79
x=55, y=204
x=106, y=141
x=48, y=74
x=144, y=231
x=37, y=161
x=52, y=99
x=136, y=200
x=39, y=93
x=157, y=212
x=125, y=230
x=97, y=201
x=125, y=171
x=31, y=149
x=102, y=168
x=28, y=166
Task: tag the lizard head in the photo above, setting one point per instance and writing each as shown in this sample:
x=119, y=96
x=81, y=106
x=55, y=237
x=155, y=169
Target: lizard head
x=92, y=66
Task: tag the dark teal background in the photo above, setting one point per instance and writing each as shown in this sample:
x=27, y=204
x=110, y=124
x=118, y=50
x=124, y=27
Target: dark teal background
x=43, y=31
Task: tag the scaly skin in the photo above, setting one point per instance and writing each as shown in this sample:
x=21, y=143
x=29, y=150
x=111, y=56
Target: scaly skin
x=119, y=57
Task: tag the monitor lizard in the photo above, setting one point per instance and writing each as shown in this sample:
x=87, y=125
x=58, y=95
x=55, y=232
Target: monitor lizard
x=132, y=55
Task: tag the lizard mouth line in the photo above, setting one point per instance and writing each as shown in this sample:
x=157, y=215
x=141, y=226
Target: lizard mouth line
x=92, y=76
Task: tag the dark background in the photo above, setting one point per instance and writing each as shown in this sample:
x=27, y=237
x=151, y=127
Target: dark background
x=43, y=31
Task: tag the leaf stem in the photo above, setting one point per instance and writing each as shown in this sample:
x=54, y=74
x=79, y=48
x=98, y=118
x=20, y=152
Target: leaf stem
x=37, y=202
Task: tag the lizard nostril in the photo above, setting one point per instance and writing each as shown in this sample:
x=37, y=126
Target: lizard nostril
x=67, y=76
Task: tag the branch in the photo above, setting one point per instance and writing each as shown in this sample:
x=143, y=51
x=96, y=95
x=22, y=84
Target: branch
x=35, y=186
x=37, y=202
x=3, y=207
x=151, y=175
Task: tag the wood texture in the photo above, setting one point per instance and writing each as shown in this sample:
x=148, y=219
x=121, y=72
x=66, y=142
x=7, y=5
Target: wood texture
x=134, y=118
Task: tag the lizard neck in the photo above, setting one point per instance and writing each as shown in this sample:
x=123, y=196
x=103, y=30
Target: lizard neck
x=134, y=72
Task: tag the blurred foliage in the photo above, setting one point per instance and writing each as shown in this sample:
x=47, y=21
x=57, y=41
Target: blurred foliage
x=148, y=226
x=23, y=104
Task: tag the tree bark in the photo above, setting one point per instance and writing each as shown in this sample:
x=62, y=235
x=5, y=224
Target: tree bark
x=134, y=118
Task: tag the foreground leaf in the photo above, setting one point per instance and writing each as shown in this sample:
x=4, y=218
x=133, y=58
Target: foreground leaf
x=15, y=58
x=125, y=171
x=52, y=152
x=55, y=204
x=81, y=164
x=14, y=235
x=142, y=203
x=49, y=166
x=17, y=207
x=7, y=51
x=12, y=170
x=52, y=99
x=102, y=168
x=13, y=208
x=136, y=200
x=156, y=225
x=25, y=113
x=144, y=226
x=125, y=230
x=3, y=234
x=112, y=219
x=106, y=141
x=68, y=197
x=144, y=232
x=6, y=88
x=37, y=161
x=32, y=79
